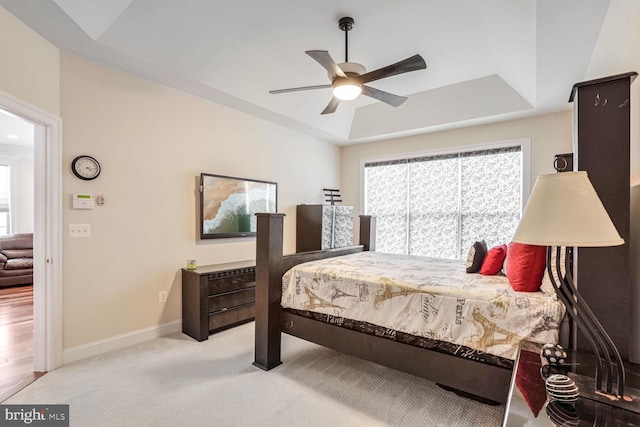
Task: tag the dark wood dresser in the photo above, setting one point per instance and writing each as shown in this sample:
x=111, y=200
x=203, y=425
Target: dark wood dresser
x=216, y=297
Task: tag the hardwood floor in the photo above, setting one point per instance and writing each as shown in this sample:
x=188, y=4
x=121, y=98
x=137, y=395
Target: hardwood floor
x=16, y=339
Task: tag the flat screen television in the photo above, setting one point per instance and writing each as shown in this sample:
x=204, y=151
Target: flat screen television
x=228, y=205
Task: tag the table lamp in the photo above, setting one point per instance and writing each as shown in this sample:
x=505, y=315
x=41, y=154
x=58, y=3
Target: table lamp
x=564, y=210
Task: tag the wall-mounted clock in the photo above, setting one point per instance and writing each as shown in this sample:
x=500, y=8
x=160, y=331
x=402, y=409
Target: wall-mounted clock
x=85, y=167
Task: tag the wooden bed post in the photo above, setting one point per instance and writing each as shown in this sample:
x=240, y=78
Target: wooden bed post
x=368, y=232
x=268, y=290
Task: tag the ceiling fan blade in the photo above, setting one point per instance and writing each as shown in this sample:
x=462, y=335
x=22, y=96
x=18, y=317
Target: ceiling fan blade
x=410, y=64
x=331, y=107
x=323, y=58
x=380, y=95
x=296, y=89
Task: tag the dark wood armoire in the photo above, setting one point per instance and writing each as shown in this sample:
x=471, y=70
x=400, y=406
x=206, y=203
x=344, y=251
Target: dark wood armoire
x=601, y=146
x=321, y=227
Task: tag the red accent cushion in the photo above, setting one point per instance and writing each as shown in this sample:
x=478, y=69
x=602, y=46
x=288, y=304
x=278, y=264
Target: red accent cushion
x=493, y=261
x=526, y=265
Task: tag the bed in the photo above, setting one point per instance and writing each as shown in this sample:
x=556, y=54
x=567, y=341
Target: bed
x=423, y=316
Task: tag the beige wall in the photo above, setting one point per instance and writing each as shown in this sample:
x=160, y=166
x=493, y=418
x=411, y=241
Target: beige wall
x=152, y=143
x=550, y=134
x=30, y=69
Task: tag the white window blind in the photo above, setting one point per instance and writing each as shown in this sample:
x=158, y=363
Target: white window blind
x=439, y=205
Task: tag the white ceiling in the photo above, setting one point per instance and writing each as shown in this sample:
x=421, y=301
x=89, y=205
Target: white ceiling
x=487, y=60
x=15, y=131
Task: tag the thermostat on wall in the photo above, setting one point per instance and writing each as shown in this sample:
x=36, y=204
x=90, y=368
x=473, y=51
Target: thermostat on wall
x=83, y=201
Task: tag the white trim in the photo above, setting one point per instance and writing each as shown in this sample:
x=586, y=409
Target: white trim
x=13, y=197
x=526, y=171
x=47, y=242
x=7, y=159
x=17, y=151
x=117, y=342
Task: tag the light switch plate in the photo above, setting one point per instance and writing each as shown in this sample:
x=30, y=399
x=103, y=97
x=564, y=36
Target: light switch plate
x=79, y=230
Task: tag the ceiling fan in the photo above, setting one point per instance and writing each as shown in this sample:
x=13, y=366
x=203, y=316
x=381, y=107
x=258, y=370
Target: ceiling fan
x=349, y=79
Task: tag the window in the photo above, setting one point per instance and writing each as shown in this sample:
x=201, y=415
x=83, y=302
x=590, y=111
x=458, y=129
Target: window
x=438, y=205
x=5, y=195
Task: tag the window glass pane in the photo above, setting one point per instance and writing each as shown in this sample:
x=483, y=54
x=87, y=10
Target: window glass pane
x=491, y=191
x=4, y=223
x=439, y=205
x=5, y=187
x=433, y=208
x=386, y=199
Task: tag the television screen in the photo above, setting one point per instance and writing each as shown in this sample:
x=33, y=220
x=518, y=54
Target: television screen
x=228, y=205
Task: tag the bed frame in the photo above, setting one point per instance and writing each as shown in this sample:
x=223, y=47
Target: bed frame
x=464, y=375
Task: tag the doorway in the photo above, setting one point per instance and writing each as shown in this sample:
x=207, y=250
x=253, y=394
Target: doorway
x=47, y=225
x=16, y=241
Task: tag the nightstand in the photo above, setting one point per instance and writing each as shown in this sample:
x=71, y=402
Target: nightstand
x=528, y=403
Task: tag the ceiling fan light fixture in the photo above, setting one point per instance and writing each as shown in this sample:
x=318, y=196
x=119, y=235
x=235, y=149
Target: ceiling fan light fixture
x=347, y=90
x=349, y=79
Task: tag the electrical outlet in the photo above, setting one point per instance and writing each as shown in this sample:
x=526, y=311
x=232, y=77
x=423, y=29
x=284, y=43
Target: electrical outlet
x=162, y=297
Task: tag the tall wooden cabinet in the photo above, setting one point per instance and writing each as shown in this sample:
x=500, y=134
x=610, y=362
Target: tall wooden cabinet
x=320, y=227
x=601, y=147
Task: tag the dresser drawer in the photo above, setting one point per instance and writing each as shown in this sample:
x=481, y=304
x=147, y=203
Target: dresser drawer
x=220, y=285
x=231, y=299
x=229, y=317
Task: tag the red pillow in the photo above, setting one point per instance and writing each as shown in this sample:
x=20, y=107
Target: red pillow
x=526, y=264
x=493, y=261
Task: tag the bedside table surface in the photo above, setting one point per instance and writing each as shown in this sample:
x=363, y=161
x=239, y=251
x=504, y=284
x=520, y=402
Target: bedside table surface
x=528, y=404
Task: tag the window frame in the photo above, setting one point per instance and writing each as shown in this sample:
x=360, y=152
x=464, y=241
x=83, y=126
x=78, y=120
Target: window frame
x=12, y=162
x=524, y=144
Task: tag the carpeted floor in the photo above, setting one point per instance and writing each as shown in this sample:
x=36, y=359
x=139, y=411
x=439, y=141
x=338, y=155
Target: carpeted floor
x=176, y=381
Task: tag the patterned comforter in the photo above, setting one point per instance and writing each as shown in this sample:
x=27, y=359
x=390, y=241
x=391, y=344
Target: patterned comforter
x=427, y=297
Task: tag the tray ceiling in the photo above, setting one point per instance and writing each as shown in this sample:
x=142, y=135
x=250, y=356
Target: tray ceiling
x=487, y=60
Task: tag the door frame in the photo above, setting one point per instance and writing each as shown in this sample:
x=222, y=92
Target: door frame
x=47, y=238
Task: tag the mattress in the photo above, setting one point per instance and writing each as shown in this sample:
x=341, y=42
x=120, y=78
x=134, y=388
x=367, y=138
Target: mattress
x=425, y=297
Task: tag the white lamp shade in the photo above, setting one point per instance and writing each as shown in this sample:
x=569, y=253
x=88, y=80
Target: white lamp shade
x=565, y=210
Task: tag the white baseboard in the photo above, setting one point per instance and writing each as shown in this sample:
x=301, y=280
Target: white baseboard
x=117, y=342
